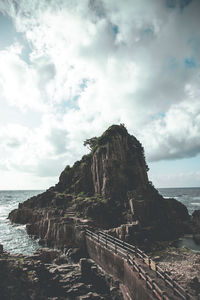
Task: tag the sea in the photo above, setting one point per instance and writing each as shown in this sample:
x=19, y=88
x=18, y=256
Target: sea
x=14, y=238
x=190, y=197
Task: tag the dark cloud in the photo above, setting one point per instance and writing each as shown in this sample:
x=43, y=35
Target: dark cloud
x=177, y=3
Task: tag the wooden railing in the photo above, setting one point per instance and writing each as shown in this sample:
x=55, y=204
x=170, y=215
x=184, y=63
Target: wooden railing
x=133, y=256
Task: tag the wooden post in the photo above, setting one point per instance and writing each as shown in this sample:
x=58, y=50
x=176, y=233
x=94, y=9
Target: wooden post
x=146, y=278
x=156, y=267
x=115, y=247
x=188, y=297
x=149, y=263
x=128, y=258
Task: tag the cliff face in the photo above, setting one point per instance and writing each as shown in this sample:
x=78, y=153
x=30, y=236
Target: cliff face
x=110, y=186
x=78, y=178
x=118, y=164
x=115, y=166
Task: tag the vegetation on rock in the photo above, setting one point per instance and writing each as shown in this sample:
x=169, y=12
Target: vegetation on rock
x=110, y=186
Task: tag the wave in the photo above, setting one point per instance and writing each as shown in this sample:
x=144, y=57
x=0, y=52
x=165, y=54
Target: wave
x=174, y=197
x=13, y=236
x=196, y=198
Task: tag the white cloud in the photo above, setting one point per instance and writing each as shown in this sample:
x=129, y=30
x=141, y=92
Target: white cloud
x=176, y=134
x=94, y=63
x=176, y=179
x=18, y=80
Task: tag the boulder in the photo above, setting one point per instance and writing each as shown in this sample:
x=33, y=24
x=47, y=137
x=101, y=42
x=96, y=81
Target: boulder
x=47, y=255
x=31, y=277
x=196, y=219
x=195, y=285
x=196, y=238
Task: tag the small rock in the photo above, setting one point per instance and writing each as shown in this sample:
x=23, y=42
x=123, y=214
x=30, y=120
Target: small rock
x=195, y=285
x=196, y=238
x=62, y=259
x=90, y=296
x=85, y=265
x=41, y=242
x=76, y=254
x=47, y=255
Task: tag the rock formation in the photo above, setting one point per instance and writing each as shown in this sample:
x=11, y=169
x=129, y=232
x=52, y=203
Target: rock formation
x=110, y=187
x=196, y=226
x=47, y=275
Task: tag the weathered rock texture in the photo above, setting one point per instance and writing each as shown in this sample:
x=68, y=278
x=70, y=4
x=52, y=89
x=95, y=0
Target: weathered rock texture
x=115, y=166
x=183, y=266
x=196, y=226
x=46, y=275
x=118, y=164
x=110, y=186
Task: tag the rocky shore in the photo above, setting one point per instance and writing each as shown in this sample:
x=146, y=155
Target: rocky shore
x=182, y=265
x=110, y=188
x=47, y=274
x=107, y=189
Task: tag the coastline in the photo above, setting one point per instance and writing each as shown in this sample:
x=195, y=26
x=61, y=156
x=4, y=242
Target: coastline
x=107, y=190
x=183, y=265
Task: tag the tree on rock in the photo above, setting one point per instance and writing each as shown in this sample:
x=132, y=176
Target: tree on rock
x=91, y=143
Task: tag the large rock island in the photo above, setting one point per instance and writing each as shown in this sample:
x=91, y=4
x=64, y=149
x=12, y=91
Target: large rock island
x=107, y=189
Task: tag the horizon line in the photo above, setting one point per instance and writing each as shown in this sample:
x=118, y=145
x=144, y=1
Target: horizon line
x=176, y=187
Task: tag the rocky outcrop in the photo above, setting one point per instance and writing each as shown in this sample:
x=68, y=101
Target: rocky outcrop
x=110, y=187
x=78, y=178
x=118, y=164
x=53, y=226
x=115, y=165
x=196, y=226
x=196, y=220
x=48, y=275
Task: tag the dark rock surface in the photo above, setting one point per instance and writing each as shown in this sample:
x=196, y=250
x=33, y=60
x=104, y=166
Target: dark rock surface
x=196, y=220
x=182, y=265
x=196, y=226
x=42, y=277
x=107, y=188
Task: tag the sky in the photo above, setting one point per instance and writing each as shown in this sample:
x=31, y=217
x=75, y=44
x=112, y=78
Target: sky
x=69, y=69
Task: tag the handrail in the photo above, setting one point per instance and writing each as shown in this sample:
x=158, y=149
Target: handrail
x=146, y=259
x=129, y=252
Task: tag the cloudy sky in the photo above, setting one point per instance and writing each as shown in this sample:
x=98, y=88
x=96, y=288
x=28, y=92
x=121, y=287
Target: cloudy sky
x=71, y=68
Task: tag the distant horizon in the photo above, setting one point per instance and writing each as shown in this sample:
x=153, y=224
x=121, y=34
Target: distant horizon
x=184, y=187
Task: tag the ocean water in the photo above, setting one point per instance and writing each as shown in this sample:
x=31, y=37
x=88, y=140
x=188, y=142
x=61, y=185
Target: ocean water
x=15, y=239
x=190, y=197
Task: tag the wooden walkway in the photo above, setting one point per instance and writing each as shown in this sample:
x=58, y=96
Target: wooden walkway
x=162, y=286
